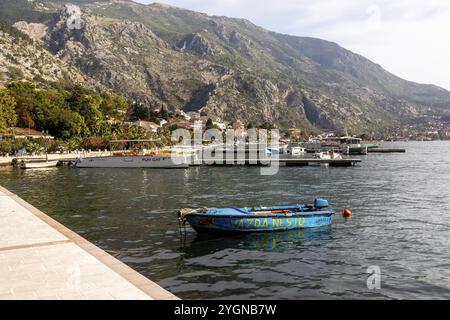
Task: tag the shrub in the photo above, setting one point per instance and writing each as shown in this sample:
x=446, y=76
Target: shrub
x=10, y=147
x=95, y=143
x=15, y=73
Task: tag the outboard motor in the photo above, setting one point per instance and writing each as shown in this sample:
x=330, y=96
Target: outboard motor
x=320, y=203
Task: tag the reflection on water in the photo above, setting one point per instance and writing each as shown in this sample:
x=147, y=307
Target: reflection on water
x=400, y=223
x=282, y=241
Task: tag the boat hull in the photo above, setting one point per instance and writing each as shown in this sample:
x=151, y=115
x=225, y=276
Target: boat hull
x=38, y=165
x=161, y=162
x=253, y=223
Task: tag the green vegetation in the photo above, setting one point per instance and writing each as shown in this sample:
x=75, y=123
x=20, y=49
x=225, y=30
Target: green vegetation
x=74, y=115
x=36, y=146
x=181, y=59
x=10, y=10
x=209, y=124
x=8, y=116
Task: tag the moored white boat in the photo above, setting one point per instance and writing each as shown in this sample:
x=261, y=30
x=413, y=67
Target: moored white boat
x=37, y=164
x=134, y=161
x=330, y=155
x=297, y=151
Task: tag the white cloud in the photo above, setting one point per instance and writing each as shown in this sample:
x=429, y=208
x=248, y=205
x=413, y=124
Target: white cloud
x=407, y=37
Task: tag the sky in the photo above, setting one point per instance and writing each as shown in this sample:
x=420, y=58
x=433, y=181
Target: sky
x=410, y=38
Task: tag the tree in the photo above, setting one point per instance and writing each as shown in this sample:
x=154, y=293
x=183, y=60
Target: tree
x=267, y=125
x=209, y=124
x=142, y=112
x=95, y=143
x=66, y=124
x=129, y=132
x=164, y=113
x=114, y=106
x=47, y=104
x=8, y=116
x=87, y=104
x=24, y=94
x=11, y=146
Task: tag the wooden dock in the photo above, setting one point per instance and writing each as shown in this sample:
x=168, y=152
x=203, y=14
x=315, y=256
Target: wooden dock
x=42, y=259
x=386, y=150
x=291, y=162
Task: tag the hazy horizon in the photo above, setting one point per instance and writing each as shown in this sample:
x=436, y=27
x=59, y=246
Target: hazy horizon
x=406, y=37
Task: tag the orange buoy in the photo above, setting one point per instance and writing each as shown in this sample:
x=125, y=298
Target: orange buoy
x=347, y=213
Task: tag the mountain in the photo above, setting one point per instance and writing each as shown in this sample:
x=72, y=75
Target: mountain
x=230, y=68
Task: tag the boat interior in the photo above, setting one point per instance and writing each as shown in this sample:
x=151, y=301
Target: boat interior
x=278, y=210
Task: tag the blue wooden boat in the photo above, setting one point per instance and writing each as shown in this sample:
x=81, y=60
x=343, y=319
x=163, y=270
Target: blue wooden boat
x=258, y=219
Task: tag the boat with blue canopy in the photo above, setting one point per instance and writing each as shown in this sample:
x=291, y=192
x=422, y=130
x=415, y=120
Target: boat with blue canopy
x=259, y=219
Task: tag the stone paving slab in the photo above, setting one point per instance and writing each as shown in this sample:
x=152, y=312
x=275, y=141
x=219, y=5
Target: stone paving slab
x=18, y=227
x=42, y=259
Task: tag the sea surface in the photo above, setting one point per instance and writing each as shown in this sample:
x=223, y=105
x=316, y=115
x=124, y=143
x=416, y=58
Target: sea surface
x=401, y=225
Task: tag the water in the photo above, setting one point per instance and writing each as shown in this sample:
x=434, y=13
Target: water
x=401, y=208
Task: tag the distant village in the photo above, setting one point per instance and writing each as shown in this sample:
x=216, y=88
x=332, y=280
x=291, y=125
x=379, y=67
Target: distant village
x=433, y=129
x=430, y=128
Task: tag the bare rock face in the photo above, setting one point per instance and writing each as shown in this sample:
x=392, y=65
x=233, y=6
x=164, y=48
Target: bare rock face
x=22, y=58
x=166, y=56
x=36, y=31
x=196, y=44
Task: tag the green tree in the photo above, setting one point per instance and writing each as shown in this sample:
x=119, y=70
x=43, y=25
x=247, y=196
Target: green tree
x=267, y=125
x=8, y=116
x=114, y=106
x=87, y=104
x=74, y=143
x=11, y=146
x=129, y=132
x=32, y=147
x=143, y=112
x=47, y=104
x=95, y=143
x=25, y=95
x=164, y=113
x=209, y=124
x=66, y=124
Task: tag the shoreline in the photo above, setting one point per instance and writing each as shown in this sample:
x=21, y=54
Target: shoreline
x=6, y=161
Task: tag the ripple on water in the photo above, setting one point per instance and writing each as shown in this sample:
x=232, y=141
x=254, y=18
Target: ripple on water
x=401, y=204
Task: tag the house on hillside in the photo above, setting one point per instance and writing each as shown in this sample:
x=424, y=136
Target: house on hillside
x=193, y=115
x=147, y=125
x=183, y=124
x=237, y=125
x=183, y=114
x=295, y=133
x=25, y=133
x=221, y=125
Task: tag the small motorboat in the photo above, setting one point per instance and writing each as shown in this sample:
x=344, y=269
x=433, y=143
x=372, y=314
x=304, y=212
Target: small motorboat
x=37, y=164
x=258, y=219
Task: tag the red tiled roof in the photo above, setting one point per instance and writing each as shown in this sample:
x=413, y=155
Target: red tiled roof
x=28, y=132
x=25, y=132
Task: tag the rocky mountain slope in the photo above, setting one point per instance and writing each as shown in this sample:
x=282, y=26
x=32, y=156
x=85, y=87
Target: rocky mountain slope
x=22, y=58
x=230, y=68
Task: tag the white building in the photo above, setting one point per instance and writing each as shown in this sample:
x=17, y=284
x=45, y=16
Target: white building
x=183, y=114
x=147, y=125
